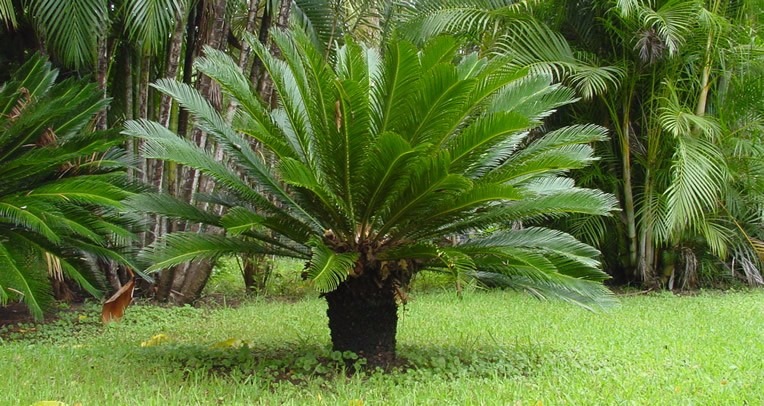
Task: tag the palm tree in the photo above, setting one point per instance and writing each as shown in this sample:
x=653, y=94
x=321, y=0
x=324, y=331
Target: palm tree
x=386, y=163
x=665, y=162
x=60, y=186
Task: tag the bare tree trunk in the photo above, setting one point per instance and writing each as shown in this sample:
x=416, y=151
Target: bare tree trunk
x=101, y=77
x=262, y=36
x=266, y=84
x=628, y=192
x=184, y=284
x=245, y=51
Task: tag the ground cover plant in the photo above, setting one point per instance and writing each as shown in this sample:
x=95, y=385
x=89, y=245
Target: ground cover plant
x=654, y=349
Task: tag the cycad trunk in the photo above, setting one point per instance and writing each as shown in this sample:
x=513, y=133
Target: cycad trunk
x=363, y=317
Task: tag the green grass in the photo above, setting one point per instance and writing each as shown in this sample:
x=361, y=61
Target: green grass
x=489, y=348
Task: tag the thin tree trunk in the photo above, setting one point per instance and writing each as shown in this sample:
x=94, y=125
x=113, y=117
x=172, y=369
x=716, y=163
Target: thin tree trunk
x=628, y=190
x=101, y=79
x=245, y=52
x=189, y=280
x=262, y=36
x=700, y=110
x=266, y=84
x=159, y=177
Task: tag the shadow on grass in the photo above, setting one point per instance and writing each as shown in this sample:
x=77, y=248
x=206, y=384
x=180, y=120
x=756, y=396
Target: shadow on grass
x=300, y=363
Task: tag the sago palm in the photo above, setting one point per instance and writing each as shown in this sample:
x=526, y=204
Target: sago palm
x=378, y=164
x=59, y=185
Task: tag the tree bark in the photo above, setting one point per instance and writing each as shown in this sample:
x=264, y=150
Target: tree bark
x=101, y=78
x=257, y=65
x=363, y=317
x=184, y=284
x=266, y=84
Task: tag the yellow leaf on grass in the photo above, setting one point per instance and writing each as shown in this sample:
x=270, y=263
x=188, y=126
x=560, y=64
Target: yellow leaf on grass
x=230, y=343
x=156, y=340
x=49, y=403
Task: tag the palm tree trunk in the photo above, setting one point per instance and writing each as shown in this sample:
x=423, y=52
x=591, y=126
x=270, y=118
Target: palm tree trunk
x=265, y=26
x=363, y=317
x=700, y=109
x=628, y=192
x=184, y=284
x=266, y=84
x=101, y=78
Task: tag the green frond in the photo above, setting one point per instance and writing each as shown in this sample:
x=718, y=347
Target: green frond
x=321, y=19
x=327, y=269
x=533, y=44
x=239, y=220
x=387, y=162
x=8, y=14
x=70, y=28
x=394, y=97
x=558, y=151
x=253, y=115
x=429, y=183
x=289, y=82
x=13, y=214
x=182, y=247
x=590, y=295
x=532, y=96
x=544, y=240
x=698, y=176
x=484, y=196
x=163, y=144
x=19, y=273
x=550, y=205
x=441, y=104
x=427, y=19
x=484, y=134
x=149, y=23
x=61, y=185
x=171, y=207
x=88, y=189
x=672, y=21
x=314, y=195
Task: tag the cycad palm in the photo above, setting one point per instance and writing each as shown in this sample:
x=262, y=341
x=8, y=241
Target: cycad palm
x=380, y=158
x=59, y=185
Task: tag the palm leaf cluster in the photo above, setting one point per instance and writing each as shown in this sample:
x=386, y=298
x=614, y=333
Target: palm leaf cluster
x=387, y=161
x=60, y=185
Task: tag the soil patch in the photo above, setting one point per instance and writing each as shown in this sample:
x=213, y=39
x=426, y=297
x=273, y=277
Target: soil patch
x=14, y=313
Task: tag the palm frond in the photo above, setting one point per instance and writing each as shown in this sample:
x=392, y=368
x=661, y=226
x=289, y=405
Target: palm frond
x=182, y=247
x=8, y=14
x=533, y=44
x=672, y=21
x=327, y=269
x=18, y=275
x=71, y=28
x=171, y=207
x=698, y=177
x=149, y=23
x=426, y=19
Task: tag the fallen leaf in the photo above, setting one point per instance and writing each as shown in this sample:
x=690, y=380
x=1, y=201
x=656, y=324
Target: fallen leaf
x=114, y=308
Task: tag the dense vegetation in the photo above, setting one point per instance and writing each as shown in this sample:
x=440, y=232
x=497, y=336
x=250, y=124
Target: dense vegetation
x=375, y=139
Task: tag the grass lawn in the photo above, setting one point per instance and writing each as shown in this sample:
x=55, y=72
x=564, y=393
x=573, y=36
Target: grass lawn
x=491, y=348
